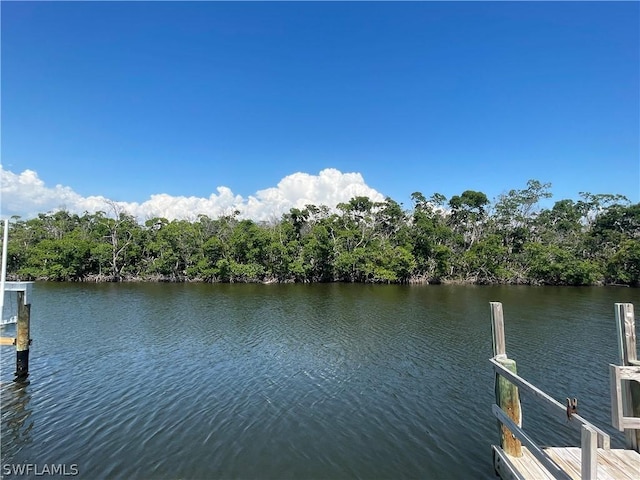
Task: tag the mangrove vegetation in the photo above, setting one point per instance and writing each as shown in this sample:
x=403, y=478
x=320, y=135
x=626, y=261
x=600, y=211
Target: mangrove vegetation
x=466, y=238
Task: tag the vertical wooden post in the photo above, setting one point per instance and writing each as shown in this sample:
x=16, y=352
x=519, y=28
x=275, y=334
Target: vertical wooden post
x=625, y=326
x=507, y=395
x=497, y=329
x=22, y=337
x=589, y=453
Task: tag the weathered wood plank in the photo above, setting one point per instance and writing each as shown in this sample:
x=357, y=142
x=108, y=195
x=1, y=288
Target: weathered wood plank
x=612, y=464
x=631, y=423
x=629, y=373
x=552, y=467
x=568, y=462
x=554, y=407
x=626, y=462
x=527, y=466
x=628, y=352
x=625, y=326
x=504, y=467
x=589, y=460
x=7, y=341
x=497, y=329
x=615, y=385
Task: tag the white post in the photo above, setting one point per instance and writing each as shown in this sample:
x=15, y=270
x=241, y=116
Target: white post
x=3, y=274
x=589, y=453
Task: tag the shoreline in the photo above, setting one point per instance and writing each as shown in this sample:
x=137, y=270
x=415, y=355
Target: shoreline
x=272, y=281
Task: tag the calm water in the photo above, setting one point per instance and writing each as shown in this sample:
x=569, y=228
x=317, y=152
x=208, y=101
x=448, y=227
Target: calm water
x=294, y=381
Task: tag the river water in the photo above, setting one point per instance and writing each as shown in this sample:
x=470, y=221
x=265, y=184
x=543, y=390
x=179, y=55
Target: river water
x=191, y=381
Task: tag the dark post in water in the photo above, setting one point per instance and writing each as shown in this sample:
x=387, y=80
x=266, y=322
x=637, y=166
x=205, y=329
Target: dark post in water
x=22, y=337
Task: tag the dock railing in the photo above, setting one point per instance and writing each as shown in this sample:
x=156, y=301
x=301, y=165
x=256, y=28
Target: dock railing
x=625, y=378
x=508, y=412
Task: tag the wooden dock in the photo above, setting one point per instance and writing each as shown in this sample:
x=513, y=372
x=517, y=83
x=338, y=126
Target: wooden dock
x=519, y=457
x=612, y=464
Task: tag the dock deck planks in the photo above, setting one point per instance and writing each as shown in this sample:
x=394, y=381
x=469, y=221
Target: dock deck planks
x=612, y=464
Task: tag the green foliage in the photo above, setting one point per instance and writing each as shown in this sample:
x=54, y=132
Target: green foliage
x=593, y=240
x=554, y=265
x=486, y=260
x=624, y=265
x=318, y=254
x=58, y=259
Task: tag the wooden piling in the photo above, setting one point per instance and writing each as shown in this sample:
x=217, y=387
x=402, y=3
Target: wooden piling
x=507, y=395
x=23, y=340
x=627, y=349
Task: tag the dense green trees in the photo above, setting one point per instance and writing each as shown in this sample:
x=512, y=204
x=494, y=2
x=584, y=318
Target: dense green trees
x=467, y=238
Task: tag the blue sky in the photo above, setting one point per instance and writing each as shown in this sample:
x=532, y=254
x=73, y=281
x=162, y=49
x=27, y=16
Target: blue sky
x=125, y=100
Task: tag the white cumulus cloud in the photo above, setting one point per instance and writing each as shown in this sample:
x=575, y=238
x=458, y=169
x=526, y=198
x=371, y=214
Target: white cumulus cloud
x=26, y=195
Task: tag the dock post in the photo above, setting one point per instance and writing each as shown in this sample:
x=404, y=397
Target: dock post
x=507, y=395
x=23, y=339
x=589, y=453
x=625, y=326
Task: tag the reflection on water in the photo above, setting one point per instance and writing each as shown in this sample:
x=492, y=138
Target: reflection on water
x=17, y=423
x=293, y=381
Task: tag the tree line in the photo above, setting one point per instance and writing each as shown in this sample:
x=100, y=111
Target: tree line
x=466, y=238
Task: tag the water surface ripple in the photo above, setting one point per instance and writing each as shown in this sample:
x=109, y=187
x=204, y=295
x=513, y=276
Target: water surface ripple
x=293, y=381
